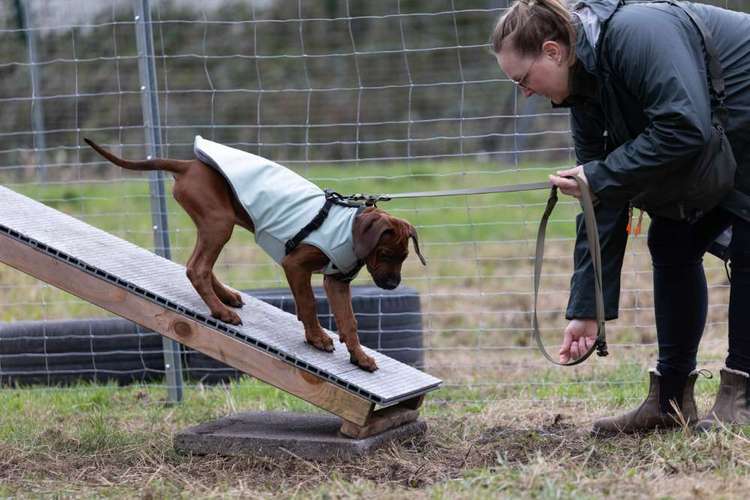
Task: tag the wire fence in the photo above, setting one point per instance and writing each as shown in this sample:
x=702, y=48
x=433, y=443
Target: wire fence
x=355, y=95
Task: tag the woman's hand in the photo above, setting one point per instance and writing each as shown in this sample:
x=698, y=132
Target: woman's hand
x=569, y=186
x=579, y=336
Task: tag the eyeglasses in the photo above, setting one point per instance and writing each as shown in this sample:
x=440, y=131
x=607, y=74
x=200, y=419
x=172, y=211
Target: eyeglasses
x=522, y=82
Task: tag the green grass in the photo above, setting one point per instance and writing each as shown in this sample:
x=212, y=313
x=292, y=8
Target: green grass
x=100, y=417
x=111, y=441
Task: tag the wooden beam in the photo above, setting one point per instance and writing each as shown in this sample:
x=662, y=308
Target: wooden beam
x=219, y=346
x=384, y=419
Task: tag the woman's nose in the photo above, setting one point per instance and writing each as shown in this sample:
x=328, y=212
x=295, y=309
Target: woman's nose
x=527, y=92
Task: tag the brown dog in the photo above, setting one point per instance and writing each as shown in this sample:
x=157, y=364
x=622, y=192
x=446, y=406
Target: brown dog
x=380, y=241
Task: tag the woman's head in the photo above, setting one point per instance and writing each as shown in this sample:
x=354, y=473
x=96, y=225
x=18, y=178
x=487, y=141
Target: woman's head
x=534, y=43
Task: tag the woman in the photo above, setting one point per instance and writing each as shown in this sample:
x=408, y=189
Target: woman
x=634, y=77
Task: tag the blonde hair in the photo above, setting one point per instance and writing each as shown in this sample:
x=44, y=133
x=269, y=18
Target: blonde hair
x=527, y=24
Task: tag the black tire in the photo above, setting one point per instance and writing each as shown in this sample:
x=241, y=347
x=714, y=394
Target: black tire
x=68, y=351
x=34, y=344
x=56, y=375
x=114, y=349
x=75, y=335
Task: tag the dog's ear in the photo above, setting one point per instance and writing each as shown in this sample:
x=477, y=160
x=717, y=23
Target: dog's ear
x=368, y=229
x=415, y=239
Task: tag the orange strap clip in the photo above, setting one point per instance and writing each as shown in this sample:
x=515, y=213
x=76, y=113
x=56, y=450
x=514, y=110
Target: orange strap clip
x=637, y=230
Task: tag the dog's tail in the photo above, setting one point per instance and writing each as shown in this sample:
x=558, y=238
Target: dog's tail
x=174, y=166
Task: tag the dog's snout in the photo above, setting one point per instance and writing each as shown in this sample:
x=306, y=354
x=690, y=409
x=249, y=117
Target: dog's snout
x=389, y=283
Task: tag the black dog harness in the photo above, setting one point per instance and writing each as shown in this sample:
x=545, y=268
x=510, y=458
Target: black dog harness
x=332, y=198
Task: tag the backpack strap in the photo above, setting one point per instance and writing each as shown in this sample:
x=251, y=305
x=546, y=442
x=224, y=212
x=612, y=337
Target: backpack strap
x=717, y=86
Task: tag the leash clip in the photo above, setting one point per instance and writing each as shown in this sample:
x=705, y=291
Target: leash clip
x=601, y=348
x=369, y=200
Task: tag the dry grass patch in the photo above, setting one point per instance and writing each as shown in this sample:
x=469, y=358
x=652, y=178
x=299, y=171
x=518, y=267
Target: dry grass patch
x=538, y=448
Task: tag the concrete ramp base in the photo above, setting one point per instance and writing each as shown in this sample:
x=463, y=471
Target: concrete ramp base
x=271, y=434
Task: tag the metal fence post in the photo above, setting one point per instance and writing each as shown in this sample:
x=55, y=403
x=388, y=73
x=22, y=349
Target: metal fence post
x=152, y=128
x=23, y=8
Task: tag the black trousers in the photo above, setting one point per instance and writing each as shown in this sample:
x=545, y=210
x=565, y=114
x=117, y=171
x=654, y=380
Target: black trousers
x=680, y=290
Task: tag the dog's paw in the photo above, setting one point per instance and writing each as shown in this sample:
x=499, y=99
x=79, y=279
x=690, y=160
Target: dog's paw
x=235, y=303
x=320, y=341
x=230, y=297
x=235, y=300
x=227, y=316
x=363, y=361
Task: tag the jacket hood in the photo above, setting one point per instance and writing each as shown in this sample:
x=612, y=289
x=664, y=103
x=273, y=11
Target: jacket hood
x=588, y=16
x=603, y=9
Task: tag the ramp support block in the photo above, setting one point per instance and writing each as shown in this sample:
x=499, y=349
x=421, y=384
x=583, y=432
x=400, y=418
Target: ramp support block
x=381, y=420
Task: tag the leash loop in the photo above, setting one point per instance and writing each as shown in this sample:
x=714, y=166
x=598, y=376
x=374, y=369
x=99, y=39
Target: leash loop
x=592, y=235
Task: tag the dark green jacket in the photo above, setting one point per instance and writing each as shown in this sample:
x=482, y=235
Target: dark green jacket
x=644, y=109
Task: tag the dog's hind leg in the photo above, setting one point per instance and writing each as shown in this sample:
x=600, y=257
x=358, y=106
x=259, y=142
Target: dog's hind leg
x=212, y=236
x=206, y=198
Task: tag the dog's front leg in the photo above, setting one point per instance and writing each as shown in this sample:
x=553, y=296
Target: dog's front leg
x=298, y=267
x=340, y=298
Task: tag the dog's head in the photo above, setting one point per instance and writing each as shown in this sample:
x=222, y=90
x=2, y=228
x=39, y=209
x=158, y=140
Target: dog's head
x=382, y=242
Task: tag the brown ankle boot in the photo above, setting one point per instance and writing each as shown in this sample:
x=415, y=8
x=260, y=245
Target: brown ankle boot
x=732, y=404
x=656, y=411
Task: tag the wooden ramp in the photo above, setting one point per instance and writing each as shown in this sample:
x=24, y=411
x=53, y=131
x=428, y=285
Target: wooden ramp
x=139, y=285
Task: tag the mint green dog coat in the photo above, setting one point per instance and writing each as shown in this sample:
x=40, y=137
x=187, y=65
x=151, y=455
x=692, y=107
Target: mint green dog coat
x=280, y=203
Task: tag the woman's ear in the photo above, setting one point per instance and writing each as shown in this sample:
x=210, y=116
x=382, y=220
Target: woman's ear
x=554, y=51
